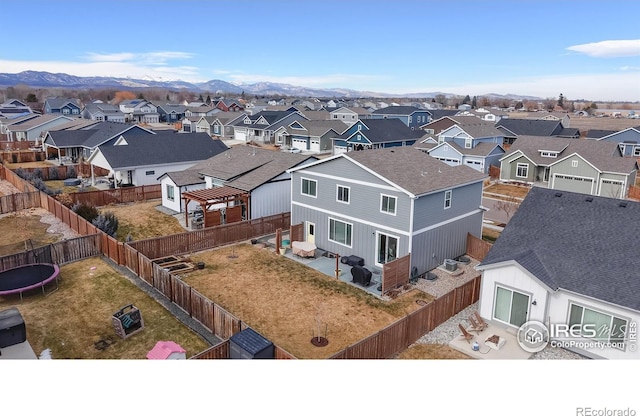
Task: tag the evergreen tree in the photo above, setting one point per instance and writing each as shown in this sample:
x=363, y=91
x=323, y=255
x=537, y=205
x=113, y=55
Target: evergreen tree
x=474, y=102
x=561, y=101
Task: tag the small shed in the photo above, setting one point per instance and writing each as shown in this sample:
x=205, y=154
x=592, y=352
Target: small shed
x=167, y=350
x=12, y=328
x=248, y=344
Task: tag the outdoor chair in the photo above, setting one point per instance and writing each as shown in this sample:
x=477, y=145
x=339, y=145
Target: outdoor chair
x=475, y=325
x=467, y=336
x=479, y=320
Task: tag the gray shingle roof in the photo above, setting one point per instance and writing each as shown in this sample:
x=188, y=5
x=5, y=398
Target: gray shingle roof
x=399, y=110
x=413, y=170
x=247, y=167
x=185, y=177
x=531, y=127
x=602, y=154
x=476, y=127
x=580, y=246
x=162, y=148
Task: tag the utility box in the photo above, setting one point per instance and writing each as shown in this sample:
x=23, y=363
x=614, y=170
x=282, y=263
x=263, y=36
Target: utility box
x=248, y=345
x=12, y=328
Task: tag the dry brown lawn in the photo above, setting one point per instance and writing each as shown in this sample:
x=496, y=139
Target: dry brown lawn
x=59, y=184
x=142, y=220
x=284, y=300
x=20, y=227
x=72, y=319
x=508, y=190
x=431, y=352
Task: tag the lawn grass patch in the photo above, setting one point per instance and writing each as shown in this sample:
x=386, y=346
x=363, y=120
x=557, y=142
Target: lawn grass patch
x=72, y=319
x=285, y=300
x=142, y=220
x=432, y=352
x=22, y=226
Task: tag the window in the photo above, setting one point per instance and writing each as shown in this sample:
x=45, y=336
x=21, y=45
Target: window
x=636, y=151
x=522, y=170
x=607, y=327
x=170, y=194
x=309, y=187
x=343, y=194
x=150, y=172
x=447, y=199
x=340, y=232
x=388, y=204
x=574, y=163
x=549, y=154
x=467, y=143
x=387, y=248
x=510, y=306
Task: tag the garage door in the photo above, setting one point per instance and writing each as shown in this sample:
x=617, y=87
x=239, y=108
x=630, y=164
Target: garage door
x=315, y=145
x=612, y=189
x=299, y=144
x=240, y=135
x=572, y=183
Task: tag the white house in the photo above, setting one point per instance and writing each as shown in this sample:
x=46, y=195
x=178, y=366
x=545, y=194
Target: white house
x=567, y=260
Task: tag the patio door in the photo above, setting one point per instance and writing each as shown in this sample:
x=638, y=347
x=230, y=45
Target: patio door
x=510, y=306
x=310, y=232
x=386, y=248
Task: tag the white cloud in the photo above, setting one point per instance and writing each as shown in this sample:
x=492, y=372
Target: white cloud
x=607, y=87
x=609, y=48
x=320, y=81
x=124, y=64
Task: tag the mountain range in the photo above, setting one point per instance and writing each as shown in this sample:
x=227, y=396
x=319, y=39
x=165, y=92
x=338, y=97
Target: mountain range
x=39, y=79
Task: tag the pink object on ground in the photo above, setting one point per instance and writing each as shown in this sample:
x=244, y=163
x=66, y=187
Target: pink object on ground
x=167, y=350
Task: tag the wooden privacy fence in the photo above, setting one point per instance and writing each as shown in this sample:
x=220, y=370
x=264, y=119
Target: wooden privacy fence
x=18, y=202
x=22, y=145
x=15, y=180
x=213, y=237
x=634, y=192
x=396, y=273
x=59, y=253
x=477, y=247
x=22, y=156
x=494, y=172
x=118, y=195
x=398, y=336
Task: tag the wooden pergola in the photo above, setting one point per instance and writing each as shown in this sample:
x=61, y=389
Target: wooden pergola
x=230, y=200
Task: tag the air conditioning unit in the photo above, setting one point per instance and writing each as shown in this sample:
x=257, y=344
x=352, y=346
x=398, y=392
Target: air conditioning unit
x=450, y=265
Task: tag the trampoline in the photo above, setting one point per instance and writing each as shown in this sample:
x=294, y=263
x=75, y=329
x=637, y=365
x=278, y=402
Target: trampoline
x=24, y=278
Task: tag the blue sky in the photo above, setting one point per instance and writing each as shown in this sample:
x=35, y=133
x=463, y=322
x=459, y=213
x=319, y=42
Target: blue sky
x=583, y=49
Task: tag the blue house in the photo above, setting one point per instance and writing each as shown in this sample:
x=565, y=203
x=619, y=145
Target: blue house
x=383, y=204
x=471, y=142
x=628, y=140
x=412, y=117
x=375, y=134
x=61, y=105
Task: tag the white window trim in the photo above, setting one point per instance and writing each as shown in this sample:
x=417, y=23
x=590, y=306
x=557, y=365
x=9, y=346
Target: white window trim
x=395, y=206
x=329, y=232
x=468, y=142
x=495, y=296
x=173, y=191
x=302, y=187
x=448, y=197
x=574, y=163
x=348, y=188
x=603, y=312
x=378, y=233
x=525, y=166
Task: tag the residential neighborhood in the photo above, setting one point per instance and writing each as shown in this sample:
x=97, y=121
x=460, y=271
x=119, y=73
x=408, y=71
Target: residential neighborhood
x=390, y=198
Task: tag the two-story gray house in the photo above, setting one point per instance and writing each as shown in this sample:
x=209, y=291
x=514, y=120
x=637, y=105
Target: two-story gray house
x=382, y=204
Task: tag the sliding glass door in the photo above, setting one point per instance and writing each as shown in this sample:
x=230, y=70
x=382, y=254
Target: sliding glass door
x=510, y=307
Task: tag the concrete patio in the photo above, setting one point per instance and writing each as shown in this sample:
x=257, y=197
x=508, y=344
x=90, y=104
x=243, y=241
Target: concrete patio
x=510, y=350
